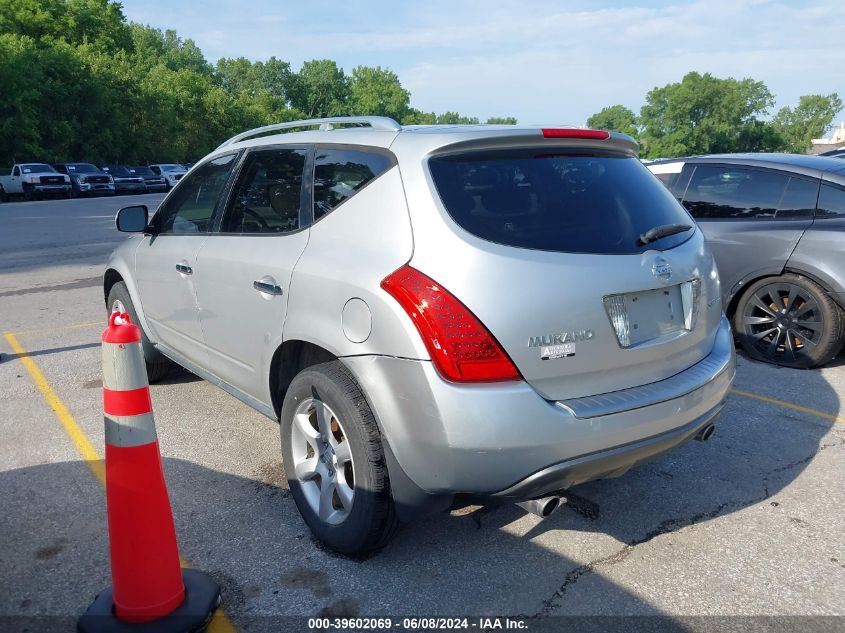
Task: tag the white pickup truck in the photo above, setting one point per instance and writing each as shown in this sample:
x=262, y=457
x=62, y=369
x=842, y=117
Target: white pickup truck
x=33, y=180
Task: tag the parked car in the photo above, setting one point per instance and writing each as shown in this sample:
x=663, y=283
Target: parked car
x=171, y=172
x=87, y=179
x=775, y=225
x=152, y=180
x=835, y=153
x=433, y=311
x=32, y=180
x=124, y=180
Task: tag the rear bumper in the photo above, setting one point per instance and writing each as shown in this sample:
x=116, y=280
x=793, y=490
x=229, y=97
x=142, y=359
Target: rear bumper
x=504, y=440
x=613, y=462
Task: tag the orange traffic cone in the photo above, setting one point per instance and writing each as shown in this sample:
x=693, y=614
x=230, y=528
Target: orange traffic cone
x=151, y=592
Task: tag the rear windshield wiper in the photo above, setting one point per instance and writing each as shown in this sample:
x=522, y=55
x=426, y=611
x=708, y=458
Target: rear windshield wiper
x=664, y=230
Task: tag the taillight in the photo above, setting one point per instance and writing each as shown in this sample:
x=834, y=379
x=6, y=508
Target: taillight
x=463, y=350
x=598, y=135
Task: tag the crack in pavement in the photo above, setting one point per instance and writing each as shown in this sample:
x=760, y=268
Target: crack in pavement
x=551, y=604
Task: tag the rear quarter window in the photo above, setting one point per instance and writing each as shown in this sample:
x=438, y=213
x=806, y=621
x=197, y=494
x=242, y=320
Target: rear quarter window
x=831, y=202
x=574, y=202
x=341, y=173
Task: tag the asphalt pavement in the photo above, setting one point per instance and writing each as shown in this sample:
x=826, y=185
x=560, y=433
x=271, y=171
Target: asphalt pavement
x=738, y=530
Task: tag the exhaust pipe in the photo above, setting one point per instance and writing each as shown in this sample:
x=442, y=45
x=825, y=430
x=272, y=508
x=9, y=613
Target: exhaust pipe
x=704, y=434
x=542, y=507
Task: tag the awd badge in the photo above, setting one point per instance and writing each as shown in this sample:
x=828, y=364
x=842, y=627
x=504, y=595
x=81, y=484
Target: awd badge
x=550, y=352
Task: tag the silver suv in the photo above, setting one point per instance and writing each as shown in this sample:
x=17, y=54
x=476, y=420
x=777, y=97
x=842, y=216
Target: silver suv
x=490, y=312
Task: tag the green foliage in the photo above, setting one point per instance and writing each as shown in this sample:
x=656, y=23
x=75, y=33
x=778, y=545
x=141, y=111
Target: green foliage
x=702, y=114
x=99, y=23
x=377, y=91
x=501, y=120
x=615, y=118
x=320, y=89
x=80, y=83
x=810, y=119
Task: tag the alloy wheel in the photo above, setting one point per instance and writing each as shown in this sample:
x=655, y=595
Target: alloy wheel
x=783, y=322
x=323, y=461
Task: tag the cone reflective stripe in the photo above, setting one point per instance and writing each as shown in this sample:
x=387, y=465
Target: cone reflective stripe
x=146, y=573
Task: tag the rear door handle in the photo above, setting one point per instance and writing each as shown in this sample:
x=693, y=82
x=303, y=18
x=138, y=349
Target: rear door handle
x=184, y=269
x=268, y=286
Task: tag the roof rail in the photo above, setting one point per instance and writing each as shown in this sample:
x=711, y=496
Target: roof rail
x=375, y=122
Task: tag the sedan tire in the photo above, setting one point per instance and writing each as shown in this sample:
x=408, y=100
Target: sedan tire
x=789, y=320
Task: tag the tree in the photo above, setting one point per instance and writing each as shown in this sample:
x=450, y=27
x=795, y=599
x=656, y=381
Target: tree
x=377, y=91
x=320, y=89
x=501, y=120
x=77, y=82
x=99, y=23
x=704, y=114
x=455, y=119
x=152, y=46
x=615, y=118
x=810, y=119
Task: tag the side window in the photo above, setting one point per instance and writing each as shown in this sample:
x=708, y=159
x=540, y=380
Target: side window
x=268, y=195
x=191, y=206
x=340, y=173
x=734, y=193
x=831, y=202
x=16, y=171
x=799, y=199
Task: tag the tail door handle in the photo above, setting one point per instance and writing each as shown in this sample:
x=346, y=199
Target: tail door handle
x=183, y=268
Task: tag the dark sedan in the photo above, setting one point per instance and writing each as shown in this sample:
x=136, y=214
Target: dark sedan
x=776, y=226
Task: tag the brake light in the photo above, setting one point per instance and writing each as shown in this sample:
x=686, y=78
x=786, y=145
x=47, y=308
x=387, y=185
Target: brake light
x=463, y=350
x=597, y=135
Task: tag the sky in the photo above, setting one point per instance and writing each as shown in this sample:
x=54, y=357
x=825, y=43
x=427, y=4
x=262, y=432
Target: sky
x=542, y=61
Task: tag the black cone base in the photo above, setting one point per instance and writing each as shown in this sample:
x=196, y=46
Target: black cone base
x=202, y=595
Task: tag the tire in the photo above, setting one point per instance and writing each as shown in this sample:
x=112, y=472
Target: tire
x=158, y=365
x=789, y=320
x=3, y=195
x=368, y=521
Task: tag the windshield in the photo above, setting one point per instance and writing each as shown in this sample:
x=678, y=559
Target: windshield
x=82, y=168
x=36, y=168
x=142, y=171
x=117, y=170
x=575, y=202
x=173, y=168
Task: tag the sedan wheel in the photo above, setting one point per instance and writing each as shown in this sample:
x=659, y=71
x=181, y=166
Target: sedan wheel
x=789, y=321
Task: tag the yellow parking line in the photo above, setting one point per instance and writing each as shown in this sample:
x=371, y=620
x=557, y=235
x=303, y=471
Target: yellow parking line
x=77, y=435
x=838, y=419
x=220, y=623
x=72, y=326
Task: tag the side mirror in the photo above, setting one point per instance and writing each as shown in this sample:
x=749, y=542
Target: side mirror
x=132, y=219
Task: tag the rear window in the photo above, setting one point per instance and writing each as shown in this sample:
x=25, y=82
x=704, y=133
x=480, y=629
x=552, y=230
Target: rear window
x=565, y=202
